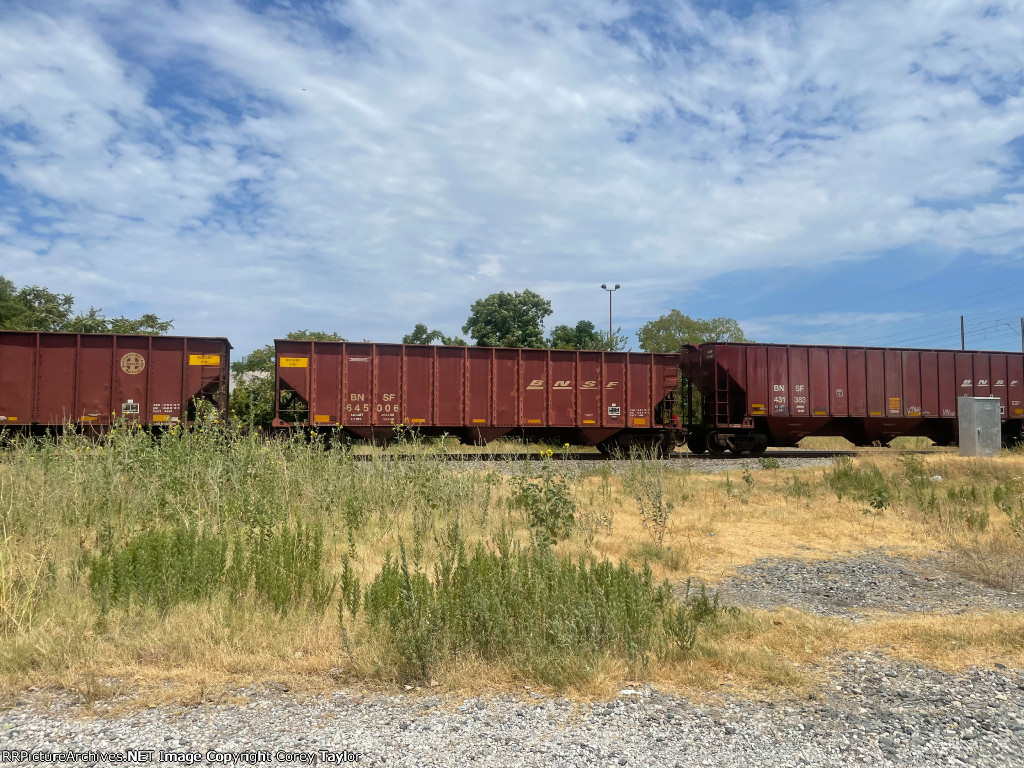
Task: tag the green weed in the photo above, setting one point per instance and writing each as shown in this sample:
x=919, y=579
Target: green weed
x=549, y=616
x=644, y=479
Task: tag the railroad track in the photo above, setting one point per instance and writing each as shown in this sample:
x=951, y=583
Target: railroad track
x=592, y=456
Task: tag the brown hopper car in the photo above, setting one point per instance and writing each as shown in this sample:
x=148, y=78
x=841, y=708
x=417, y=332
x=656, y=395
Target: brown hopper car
x=756, y=395
x=51, y=380
x=613, y=400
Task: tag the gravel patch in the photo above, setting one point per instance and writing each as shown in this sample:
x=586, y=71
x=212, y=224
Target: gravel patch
x=873, y=711
x=855, y=587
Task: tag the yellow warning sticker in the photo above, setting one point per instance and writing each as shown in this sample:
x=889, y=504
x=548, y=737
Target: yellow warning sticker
x=640, y=422
x=89, y=418
x=293, y=362
x=821, y=413
x=8, y=418
x=894, y=405
x=418, y=421
x=161, y=417
x=479, y=421
x=589, y=421
x=321, y=418
x=1018, y=411
x=757, y=406
x=874, y=413
x=533, y=421
x=204, y=359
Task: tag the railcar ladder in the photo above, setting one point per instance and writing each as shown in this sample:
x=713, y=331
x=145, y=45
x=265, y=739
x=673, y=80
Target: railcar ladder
x=722, y=409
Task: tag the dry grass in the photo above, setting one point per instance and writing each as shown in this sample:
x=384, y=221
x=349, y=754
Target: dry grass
x=58, y=502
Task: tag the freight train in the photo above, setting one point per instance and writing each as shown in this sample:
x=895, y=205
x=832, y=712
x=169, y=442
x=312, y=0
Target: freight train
x=740, y=397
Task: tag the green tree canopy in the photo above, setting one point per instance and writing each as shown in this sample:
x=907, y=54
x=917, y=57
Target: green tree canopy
x=33, y=308
x=422, y=335
x=586, y=336
x=508, y=320
x=669, y=333
x=253, y=387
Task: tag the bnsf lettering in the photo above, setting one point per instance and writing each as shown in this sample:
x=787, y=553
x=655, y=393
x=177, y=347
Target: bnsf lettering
x=589, y=385
x=779, y=387
x=1000, y=383
x=536, y=384
x=982, y=382
x=562, y=385
x=355, y=398
x=967, y=383
x=611, y=385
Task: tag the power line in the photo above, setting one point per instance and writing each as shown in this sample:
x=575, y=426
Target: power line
x=955, y=304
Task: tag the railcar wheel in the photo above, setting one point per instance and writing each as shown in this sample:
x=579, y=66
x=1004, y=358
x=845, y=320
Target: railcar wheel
x=712, y=444
x=695, y=442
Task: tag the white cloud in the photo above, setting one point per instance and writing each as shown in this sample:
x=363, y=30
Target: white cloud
x=247, y=174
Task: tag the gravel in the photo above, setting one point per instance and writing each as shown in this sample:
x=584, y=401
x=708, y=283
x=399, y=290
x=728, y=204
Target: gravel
x=860, y=586
x=874, y=711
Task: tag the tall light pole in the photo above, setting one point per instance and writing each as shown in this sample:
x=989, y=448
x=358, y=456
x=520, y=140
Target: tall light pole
x=610, y=292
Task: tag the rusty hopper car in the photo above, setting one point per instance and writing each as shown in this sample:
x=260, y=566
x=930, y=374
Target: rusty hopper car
x=756, y=395
x=51, y=380
x=614, y=400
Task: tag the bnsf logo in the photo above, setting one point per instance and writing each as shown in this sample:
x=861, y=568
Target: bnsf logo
x=567, y=384
x=967, y=383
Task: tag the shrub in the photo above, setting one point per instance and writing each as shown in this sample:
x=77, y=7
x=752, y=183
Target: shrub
x=165, y=567
x=644, y=480
x=796, y=488
x=161, y=568
x=283, y=566
x=549, y=616
x=549, y=504
x=867, y=485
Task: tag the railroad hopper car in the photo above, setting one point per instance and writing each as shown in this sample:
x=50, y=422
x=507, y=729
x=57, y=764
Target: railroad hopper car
x=756, y=395
x=91, y=380
x=615, y=400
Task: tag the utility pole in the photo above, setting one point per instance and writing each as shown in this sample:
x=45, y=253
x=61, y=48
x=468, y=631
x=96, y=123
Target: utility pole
x=613, y=290
x=962, y=347
x=1022, y=334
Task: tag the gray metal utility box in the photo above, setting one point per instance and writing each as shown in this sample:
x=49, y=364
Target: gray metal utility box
x=980, y=426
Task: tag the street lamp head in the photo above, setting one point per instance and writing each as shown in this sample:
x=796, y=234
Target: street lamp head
x=605, y=286
x=617, y=286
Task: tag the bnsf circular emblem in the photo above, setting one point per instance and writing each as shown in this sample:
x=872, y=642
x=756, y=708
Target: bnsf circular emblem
x=133, y=363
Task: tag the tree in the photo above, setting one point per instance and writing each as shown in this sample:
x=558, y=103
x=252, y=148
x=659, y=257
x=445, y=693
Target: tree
x=586, y=336
x=253, y=386
x=508, y=320
x=33, y=308
x=94, y=322
x=671, y=332
x=421, y=335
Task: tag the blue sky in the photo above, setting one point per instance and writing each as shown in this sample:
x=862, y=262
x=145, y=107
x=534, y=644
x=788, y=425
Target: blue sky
x=826, y=172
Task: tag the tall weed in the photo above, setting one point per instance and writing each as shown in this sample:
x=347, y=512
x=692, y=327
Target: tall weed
x=549, y=616
x=644, y=479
